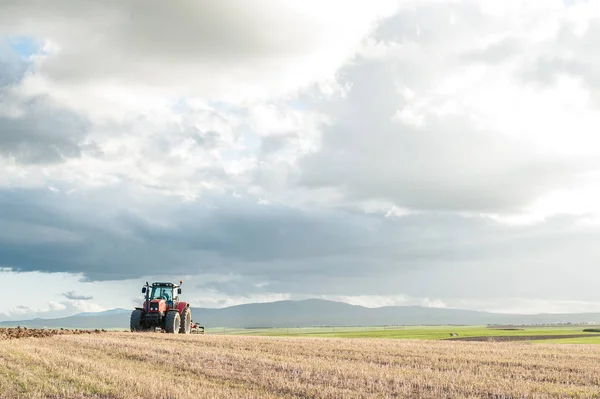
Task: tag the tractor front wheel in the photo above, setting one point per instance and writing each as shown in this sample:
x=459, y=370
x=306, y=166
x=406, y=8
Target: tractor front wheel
x=186, y=321
x=172, y=322
x=135, y=321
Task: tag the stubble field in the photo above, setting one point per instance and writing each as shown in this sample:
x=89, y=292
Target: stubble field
x=126, y=365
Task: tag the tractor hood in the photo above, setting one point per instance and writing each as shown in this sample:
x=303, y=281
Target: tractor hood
x=156, y=305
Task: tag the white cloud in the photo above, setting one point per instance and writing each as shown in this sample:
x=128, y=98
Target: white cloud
x=214, y=299
x=85, y=306
x=374, y=301
x=56, y=306
x=443, y=116
x=51, y=308
x=226, y=50
x=525, y=305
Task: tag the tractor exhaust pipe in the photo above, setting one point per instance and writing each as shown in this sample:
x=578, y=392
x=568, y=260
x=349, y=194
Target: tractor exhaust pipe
x=147, y=304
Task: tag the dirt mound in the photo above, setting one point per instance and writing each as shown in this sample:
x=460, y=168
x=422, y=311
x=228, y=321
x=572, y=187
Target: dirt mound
x=521, y=337
x=24, y=332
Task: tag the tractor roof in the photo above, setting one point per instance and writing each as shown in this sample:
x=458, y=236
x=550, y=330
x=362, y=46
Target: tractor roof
x=163, y=284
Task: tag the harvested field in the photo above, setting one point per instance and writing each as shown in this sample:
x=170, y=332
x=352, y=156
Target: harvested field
x=507, y=338
x=24, y=332
x=126, y=365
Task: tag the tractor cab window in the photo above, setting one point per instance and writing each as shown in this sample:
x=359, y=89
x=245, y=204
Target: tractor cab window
x=165, y=293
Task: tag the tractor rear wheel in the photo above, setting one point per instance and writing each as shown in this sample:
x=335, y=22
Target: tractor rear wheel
x=172, y=322
x=135, y=321
x=186, y=321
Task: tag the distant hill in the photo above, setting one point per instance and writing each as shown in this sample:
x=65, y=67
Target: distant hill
x=114, y=318
x=314, y=312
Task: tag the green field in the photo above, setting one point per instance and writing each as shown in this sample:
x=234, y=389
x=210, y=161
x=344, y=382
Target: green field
x=429, y=333
x=583, y=340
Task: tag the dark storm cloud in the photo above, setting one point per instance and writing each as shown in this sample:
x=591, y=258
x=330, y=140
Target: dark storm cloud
x=78, y=297
x=67, y=233
x=34, y=130
x=242, y=288
x=278, y=249
x=42, y=134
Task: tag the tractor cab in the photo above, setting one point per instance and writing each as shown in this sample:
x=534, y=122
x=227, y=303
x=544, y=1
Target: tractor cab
x=166, y=292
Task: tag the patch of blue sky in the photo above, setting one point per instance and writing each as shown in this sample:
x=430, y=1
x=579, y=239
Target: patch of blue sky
x=12, y=66
x=248, y=145
x=16, y=52
x=182, y=104
x=25, y=46
x=179, y=105
x=250, y=141
x=227, y=107
x=568, y=3
x=298, y=104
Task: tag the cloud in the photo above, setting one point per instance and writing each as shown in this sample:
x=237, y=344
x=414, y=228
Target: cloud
x=423, y=126
x=42, y=133
x=568, y=53
x=277, y=250
x=33, y=129
x=446, y=165
x=496, y=52
x=50, y=310
x=26, y=311
x=402, y=131
x=196, y=237
x=77, y=297
x=223, y=49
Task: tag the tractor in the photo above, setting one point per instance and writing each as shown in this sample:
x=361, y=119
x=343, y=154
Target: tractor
x=163, y=309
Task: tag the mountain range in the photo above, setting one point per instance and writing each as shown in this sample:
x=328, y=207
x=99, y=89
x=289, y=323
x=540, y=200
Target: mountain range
x=315, y=312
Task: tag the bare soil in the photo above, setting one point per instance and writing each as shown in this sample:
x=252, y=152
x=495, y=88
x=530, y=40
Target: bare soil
x=24, y=332
x=521, y=337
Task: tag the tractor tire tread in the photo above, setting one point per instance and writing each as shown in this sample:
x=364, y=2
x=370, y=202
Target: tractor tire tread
x=186, y=321
x=135, y=320
x=170, y=322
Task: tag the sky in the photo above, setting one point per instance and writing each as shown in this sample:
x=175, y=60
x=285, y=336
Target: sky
x=434, y=153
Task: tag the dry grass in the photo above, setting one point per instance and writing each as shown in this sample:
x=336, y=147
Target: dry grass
x=125, y=365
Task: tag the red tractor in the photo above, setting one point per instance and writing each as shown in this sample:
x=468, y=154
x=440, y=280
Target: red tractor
x=162, y=308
